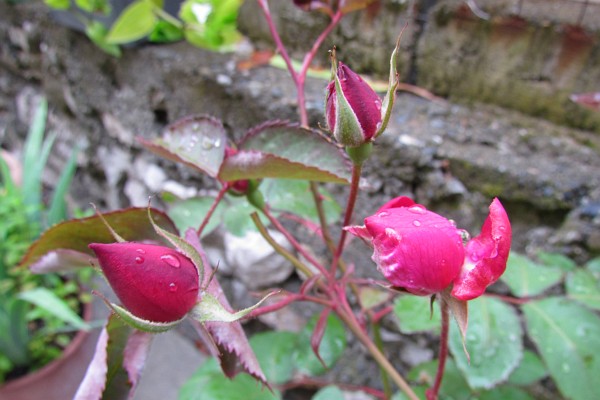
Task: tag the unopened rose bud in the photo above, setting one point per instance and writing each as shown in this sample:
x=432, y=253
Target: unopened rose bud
x=353, y=109
x=154, y=283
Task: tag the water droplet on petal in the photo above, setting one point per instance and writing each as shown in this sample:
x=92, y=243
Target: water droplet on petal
x=383, y=214
x=141, y=251
x=378, y=104
x=464, y=235
x=171, y=260
x=139, y=260
x=416, y=223
x=417, y=209
x=172, y=287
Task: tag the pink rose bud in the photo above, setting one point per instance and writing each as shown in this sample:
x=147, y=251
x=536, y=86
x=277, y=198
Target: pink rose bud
x=155, y=283
x=352, y=108
x=239, y=187
x=423, y=252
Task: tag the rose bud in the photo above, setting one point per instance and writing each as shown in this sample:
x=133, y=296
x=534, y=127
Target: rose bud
x=154, y=283
x=352, y=108
x=239, y=187
x=423, y=252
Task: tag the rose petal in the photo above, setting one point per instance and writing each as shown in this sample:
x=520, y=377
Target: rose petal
x=401, y=201
x=486, y=255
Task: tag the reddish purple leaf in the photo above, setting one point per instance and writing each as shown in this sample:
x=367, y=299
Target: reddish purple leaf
x=68, y=241
x=282, y=150
x=60, y=260
x=234, y=351
x=197, y=141
x=135, y=355
x=317, y=336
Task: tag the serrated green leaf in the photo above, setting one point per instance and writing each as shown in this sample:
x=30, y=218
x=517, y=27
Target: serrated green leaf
x=414, y=314
x=556, y=260
x=329, y=393
x=494, y=341
x=567, y=336
x=584, y=287
x=237, y=219
x=135, y=22
x=46, y=299
x=209, y=383
x=296, y=197
x=527, y=278
x=530, y=370
x=454, y=386
x=274, y=352
x=331, y=348
x=197, y=141
x=281, y=150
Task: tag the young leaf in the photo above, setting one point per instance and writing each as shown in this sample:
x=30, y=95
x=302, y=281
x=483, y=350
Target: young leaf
x=75, y=235
x=494, y=340
x=135, y=355
x=413, y=313
x=282, y=150
x=526, y=278
x=135, y=22
x=567, y=336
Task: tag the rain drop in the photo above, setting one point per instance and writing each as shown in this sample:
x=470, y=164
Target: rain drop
x=378, y=104
x=464, y=235
x=383, y=214
x=141, y=251
x=172, y=287
x=416, y=223
x=196, y=127
x=139, y=260
x=207, y=143
x=417, y=209
x=171, y=260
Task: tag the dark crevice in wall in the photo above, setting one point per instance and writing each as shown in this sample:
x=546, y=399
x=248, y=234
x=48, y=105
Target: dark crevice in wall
x=420, y=14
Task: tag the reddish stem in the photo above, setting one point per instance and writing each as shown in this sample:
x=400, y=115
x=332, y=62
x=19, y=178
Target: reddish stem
x=356, y=171
x=212, y=209
x=512, y=300
x=432, y=394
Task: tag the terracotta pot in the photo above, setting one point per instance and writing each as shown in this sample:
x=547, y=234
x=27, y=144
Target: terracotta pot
x=60, y=379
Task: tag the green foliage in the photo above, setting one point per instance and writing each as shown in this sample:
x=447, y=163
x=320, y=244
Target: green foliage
x=414, y=314
x=567, y=335
x=211, y=24
x=494, y=341
x=24, y=302
x=329, y=393
x=525, y=278
x=135, y=22
x=281, y=354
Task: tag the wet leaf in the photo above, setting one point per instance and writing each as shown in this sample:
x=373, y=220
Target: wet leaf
x=530, y=370
x=527, y=278
x=567, y=336
x=454, y=386
x=414, y=314
x=504, y=393
x=283, y=150
x=556, y=260
x=329, y=393
x=197, y=141
x=584, y=287
x=190, y=213
x=494, y=341
x=68, y=241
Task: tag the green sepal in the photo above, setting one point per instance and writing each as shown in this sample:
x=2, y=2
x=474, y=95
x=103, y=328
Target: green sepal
x=208, y=309
x=186, y=248
x=254, y=195
x=390, y=96
x=359, y=154
x=348, y=131
x=139, y=323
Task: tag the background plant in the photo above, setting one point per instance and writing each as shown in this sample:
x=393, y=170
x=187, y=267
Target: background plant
x=37, y=312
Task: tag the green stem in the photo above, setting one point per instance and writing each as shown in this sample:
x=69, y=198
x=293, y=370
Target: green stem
x=432, y=394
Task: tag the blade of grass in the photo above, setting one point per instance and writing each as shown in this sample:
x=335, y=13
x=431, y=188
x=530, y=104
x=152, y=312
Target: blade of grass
x=58, y=206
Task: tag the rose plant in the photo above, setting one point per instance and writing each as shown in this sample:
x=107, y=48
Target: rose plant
x=161, y=277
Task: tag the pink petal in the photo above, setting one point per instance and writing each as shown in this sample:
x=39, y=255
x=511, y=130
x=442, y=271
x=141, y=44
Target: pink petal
x=401, y=201
x=486, y=255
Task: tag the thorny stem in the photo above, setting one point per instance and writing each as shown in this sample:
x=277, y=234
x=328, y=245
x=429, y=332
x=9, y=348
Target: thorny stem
x=432, y=394
x=301, y=250
x=356, y=171
x=212, y=209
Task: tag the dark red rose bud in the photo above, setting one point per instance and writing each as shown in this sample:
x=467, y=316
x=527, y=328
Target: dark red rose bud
x=155, y=283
